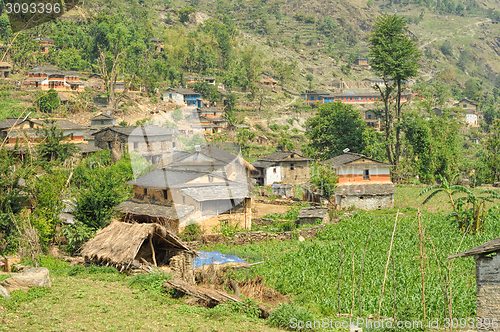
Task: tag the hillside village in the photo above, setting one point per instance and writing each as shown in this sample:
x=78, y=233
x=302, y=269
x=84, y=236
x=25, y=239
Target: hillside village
x=187, y=173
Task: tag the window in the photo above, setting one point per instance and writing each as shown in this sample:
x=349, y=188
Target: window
x=312, y=98
x=465, y=105
x=102, y=122
x=366, y=174
x=274, y=170
x=292, y=167
x=183, y=199
x=145, y=191
x=165, y=194
x=173, y=144
x=136, y=145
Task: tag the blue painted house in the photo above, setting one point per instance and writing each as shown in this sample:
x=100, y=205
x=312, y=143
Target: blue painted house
x=183, y=97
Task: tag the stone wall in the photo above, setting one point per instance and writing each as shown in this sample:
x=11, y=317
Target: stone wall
x=368, y=202
x=182, y=267
x=246, y=238
x=488, y=289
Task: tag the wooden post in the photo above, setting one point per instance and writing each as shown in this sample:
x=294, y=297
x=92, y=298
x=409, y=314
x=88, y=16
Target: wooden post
x=421, y=241
x=363, y=265
x=387, y=265
x=340, y=274
x=152, y=249
x=353, y=282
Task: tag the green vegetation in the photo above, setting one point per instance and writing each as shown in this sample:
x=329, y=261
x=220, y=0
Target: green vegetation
x=313, y=282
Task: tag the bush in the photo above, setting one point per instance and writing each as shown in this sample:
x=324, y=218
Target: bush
x=192, y=232
x=76, y=235
x=177, y=114
x=282, y=317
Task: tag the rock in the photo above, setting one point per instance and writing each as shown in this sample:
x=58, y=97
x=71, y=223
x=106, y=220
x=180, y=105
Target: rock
x=34, y=277
x=301, y=238
x=21, y=268
x=354, y=328
x=4, y=293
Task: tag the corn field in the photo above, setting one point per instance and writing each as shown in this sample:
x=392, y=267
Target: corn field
x=308, y=271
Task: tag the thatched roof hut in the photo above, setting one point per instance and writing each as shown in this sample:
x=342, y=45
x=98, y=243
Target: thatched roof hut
x=121, y=244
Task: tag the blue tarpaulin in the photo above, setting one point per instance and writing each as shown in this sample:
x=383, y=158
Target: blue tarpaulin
x=216, y=258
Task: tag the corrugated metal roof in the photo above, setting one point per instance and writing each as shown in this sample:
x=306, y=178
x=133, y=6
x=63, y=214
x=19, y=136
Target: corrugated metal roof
x=220, y=192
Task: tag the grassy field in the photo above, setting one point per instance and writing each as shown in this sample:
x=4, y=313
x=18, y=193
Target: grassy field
x=100, y=299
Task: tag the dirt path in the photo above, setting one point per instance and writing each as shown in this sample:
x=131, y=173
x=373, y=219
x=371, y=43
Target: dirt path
x=262, y=209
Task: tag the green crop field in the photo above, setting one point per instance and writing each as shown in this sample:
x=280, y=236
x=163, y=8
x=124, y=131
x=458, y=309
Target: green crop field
x=309, y=271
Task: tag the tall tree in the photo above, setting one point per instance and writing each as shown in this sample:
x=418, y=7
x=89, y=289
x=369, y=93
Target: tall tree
x=395, y=57
x=335, y=127
x=493, y=151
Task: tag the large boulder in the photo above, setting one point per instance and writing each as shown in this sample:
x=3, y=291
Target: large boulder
x=34, y=277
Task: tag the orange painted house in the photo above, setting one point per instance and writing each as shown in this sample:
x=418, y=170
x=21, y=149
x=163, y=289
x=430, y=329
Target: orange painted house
x=19, y=130
x=46, y=78
x=45, y=44
x=363, y=182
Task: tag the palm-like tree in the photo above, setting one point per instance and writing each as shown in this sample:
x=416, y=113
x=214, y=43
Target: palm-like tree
x=468, y=211
x=446, y=187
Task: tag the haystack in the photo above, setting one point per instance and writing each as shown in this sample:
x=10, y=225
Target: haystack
x=121, y=244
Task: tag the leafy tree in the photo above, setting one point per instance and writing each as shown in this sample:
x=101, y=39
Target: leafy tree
x=492, y=146
x=177, y=114
x=446, y=48
x=245, y=137
x=395, y=58
x=208, y=91
x=102, y=187
x=335, y=126
x=47, y=102
x=185, y=12
x=12, y=196
x=323, y=177
x=471, y=89
x=51, y=147
x=285, y=144
x=309, y=78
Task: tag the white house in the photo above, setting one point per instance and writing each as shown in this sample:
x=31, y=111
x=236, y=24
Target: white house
x=282, y=167
x=183, y=97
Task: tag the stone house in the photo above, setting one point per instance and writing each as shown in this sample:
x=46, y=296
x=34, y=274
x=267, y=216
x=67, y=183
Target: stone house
x=45, y=78
x=102, y=121
x=181, y=197
x=282, y=167
x=5, y=69
x=183, y=97
x=487, y=257
x=311, y=214
x=362, y=62
x=18, y=130
x=268, y=81
x=374, y=120
x=471, y=112
x=363, y=182
x=45, y=44
x=262, y=140
x=209, y=158
x=154, y=143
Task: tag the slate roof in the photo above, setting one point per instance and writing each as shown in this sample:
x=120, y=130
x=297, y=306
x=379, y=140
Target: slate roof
x=10, y=122
x=89, y=134
x=103, y=117
x=349, y=157
x=163, y=178
x=152, y=130
x=263, y=164
x=52, y=71
x=485, y=248
x=5, y=64
x=183, y=91
x=219, y=157
x=365, y=190
x=154, y=210
x=219, y=192
x=313, y=212
x=467, y=100
x=278, y=156
x=87, y=148
x=61, y=124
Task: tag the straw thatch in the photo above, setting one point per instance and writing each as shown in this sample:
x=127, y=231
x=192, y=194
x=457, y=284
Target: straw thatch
x=120, y=243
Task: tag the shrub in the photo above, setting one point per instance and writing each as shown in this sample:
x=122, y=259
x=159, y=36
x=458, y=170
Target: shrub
x=282, y=317
x=76, y=235
x=192, y=232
